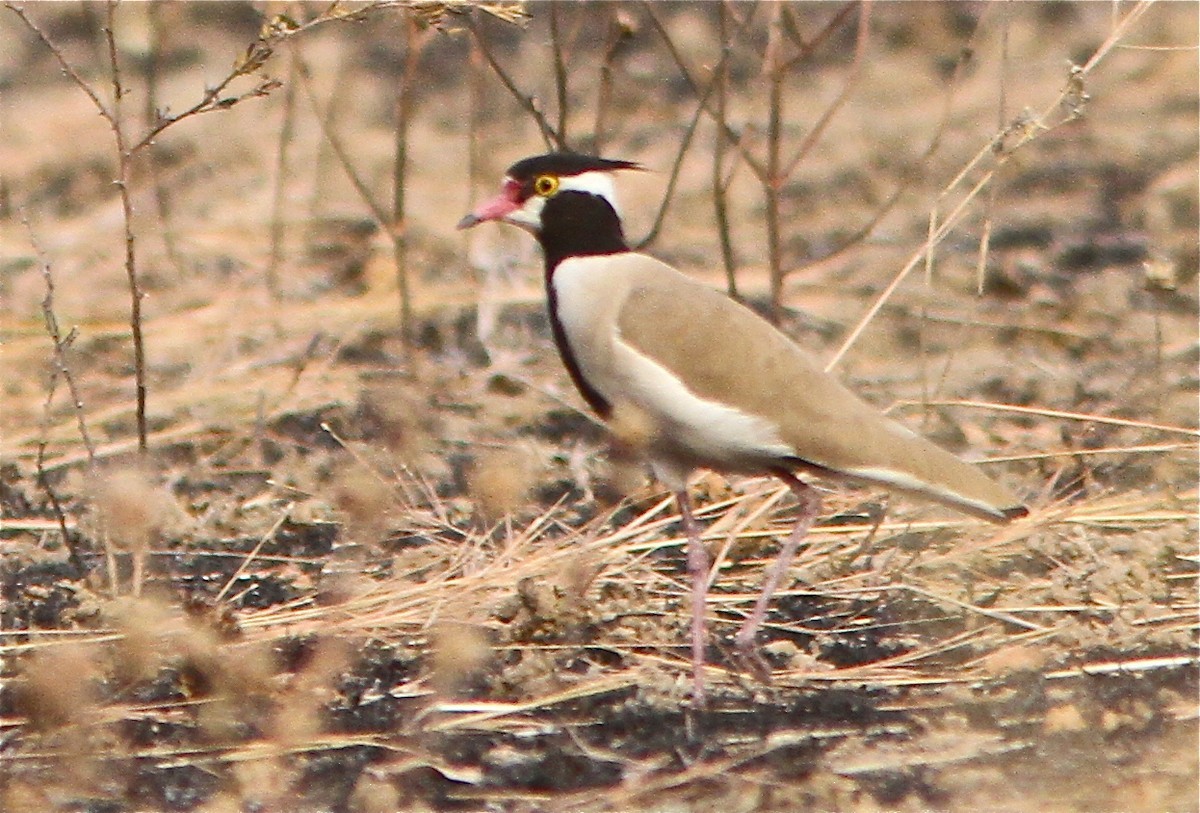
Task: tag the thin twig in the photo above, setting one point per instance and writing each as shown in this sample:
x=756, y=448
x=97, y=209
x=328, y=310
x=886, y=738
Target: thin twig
x=560, y=72
x=855, y=72
x=284, y=515
x=125, y=172
x=551, y=136
x=61, y=369
x=325, y=120
x=995, y=615
x=719, y=187
x=276, y=31
x=152, y=69
x=1068, y=106
x=774, y=68
x=618, y=33
x=66, y=67
x=476, y=118
x=405, y=100
x=1058, y=413
x=677, y=165
x=910, y=178
x=61, y=343
x=212, y=99
x=734, y=138
x=287, y=127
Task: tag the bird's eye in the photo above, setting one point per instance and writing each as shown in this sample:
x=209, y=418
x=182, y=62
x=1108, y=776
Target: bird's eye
x=545, y=185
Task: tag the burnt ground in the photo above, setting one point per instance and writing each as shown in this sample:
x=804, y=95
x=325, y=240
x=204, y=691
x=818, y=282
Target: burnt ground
x=352, y=576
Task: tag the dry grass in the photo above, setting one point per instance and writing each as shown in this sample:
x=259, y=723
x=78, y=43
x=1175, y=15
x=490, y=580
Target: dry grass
x=350, y=575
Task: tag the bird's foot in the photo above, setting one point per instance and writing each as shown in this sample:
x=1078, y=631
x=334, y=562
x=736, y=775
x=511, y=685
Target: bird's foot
x=749, y=656
x=699, y=695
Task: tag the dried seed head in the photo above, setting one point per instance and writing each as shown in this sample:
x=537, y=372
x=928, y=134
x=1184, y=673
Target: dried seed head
x=130, y=507
x=364, y=502
x=221, y=803
x=25, y=797
x=147, y=626
x=58, y=688
x=459, y=652
x=398, y=417
x=374, y=795
x=577, y=576
x=501, y=479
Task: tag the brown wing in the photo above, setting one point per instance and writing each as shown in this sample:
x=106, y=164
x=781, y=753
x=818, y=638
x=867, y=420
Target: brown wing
x=723, y=351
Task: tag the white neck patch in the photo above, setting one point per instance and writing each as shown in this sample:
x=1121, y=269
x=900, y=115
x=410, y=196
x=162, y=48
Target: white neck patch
x=594, y=183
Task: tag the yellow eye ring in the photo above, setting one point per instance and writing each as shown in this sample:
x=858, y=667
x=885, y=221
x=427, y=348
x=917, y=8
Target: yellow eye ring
x=545, y=185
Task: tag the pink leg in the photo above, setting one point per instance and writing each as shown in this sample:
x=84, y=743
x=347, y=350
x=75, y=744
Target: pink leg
x=698, y=564
x=810, y=507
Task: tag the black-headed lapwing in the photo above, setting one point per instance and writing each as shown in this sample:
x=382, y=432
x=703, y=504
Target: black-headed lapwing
x=694, y=380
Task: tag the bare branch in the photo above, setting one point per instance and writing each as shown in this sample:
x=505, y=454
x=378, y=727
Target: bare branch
x=549, y=135
x=772, y=185
x=324, y=119
x=619, y=32
x=719, y=187
x=678, y=163
x=67, y=68
x=734, y=138
x=125, y=171
x=278, y=198
x=901, y=188
x=151, y=70
x=860, y=49
x=60, y=370
x=560, y=72
x=275, y=31
x=405, y=101
x=807, y=49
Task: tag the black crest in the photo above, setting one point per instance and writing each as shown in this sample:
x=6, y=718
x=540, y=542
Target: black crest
x=565, y=163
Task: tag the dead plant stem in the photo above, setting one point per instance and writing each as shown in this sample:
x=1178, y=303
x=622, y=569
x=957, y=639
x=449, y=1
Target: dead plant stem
x=772, y=186
x=325, y=120
x=414, y=42
x=152, y=68
x=125, y=171
x=61, y=369
x=677, y=166
x=862, y=39
x=721, y=141
x=550, y=136
x=560, y=72
x=1025, y=128
x=616, y=36
x=287, y=128
x=760, y=171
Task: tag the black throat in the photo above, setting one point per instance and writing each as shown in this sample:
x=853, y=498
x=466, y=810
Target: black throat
x=577, y=224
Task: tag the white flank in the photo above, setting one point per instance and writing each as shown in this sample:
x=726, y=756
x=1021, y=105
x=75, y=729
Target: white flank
x=708, y=429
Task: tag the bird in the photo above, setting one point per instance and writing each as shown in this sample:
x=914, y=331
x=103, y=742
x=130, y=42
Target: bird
x=691, y=379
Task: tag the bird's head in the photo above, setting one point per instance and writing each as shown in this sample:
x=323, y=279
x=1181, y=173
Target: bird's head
x=558, y=187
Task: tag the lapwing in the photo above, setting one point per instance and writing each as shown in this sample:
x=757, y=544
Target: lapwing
x=692, y=379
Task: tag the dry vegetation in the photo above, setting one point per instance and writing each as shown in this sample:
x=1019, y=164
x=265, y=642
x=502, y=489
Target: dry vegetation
x=363, y=549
